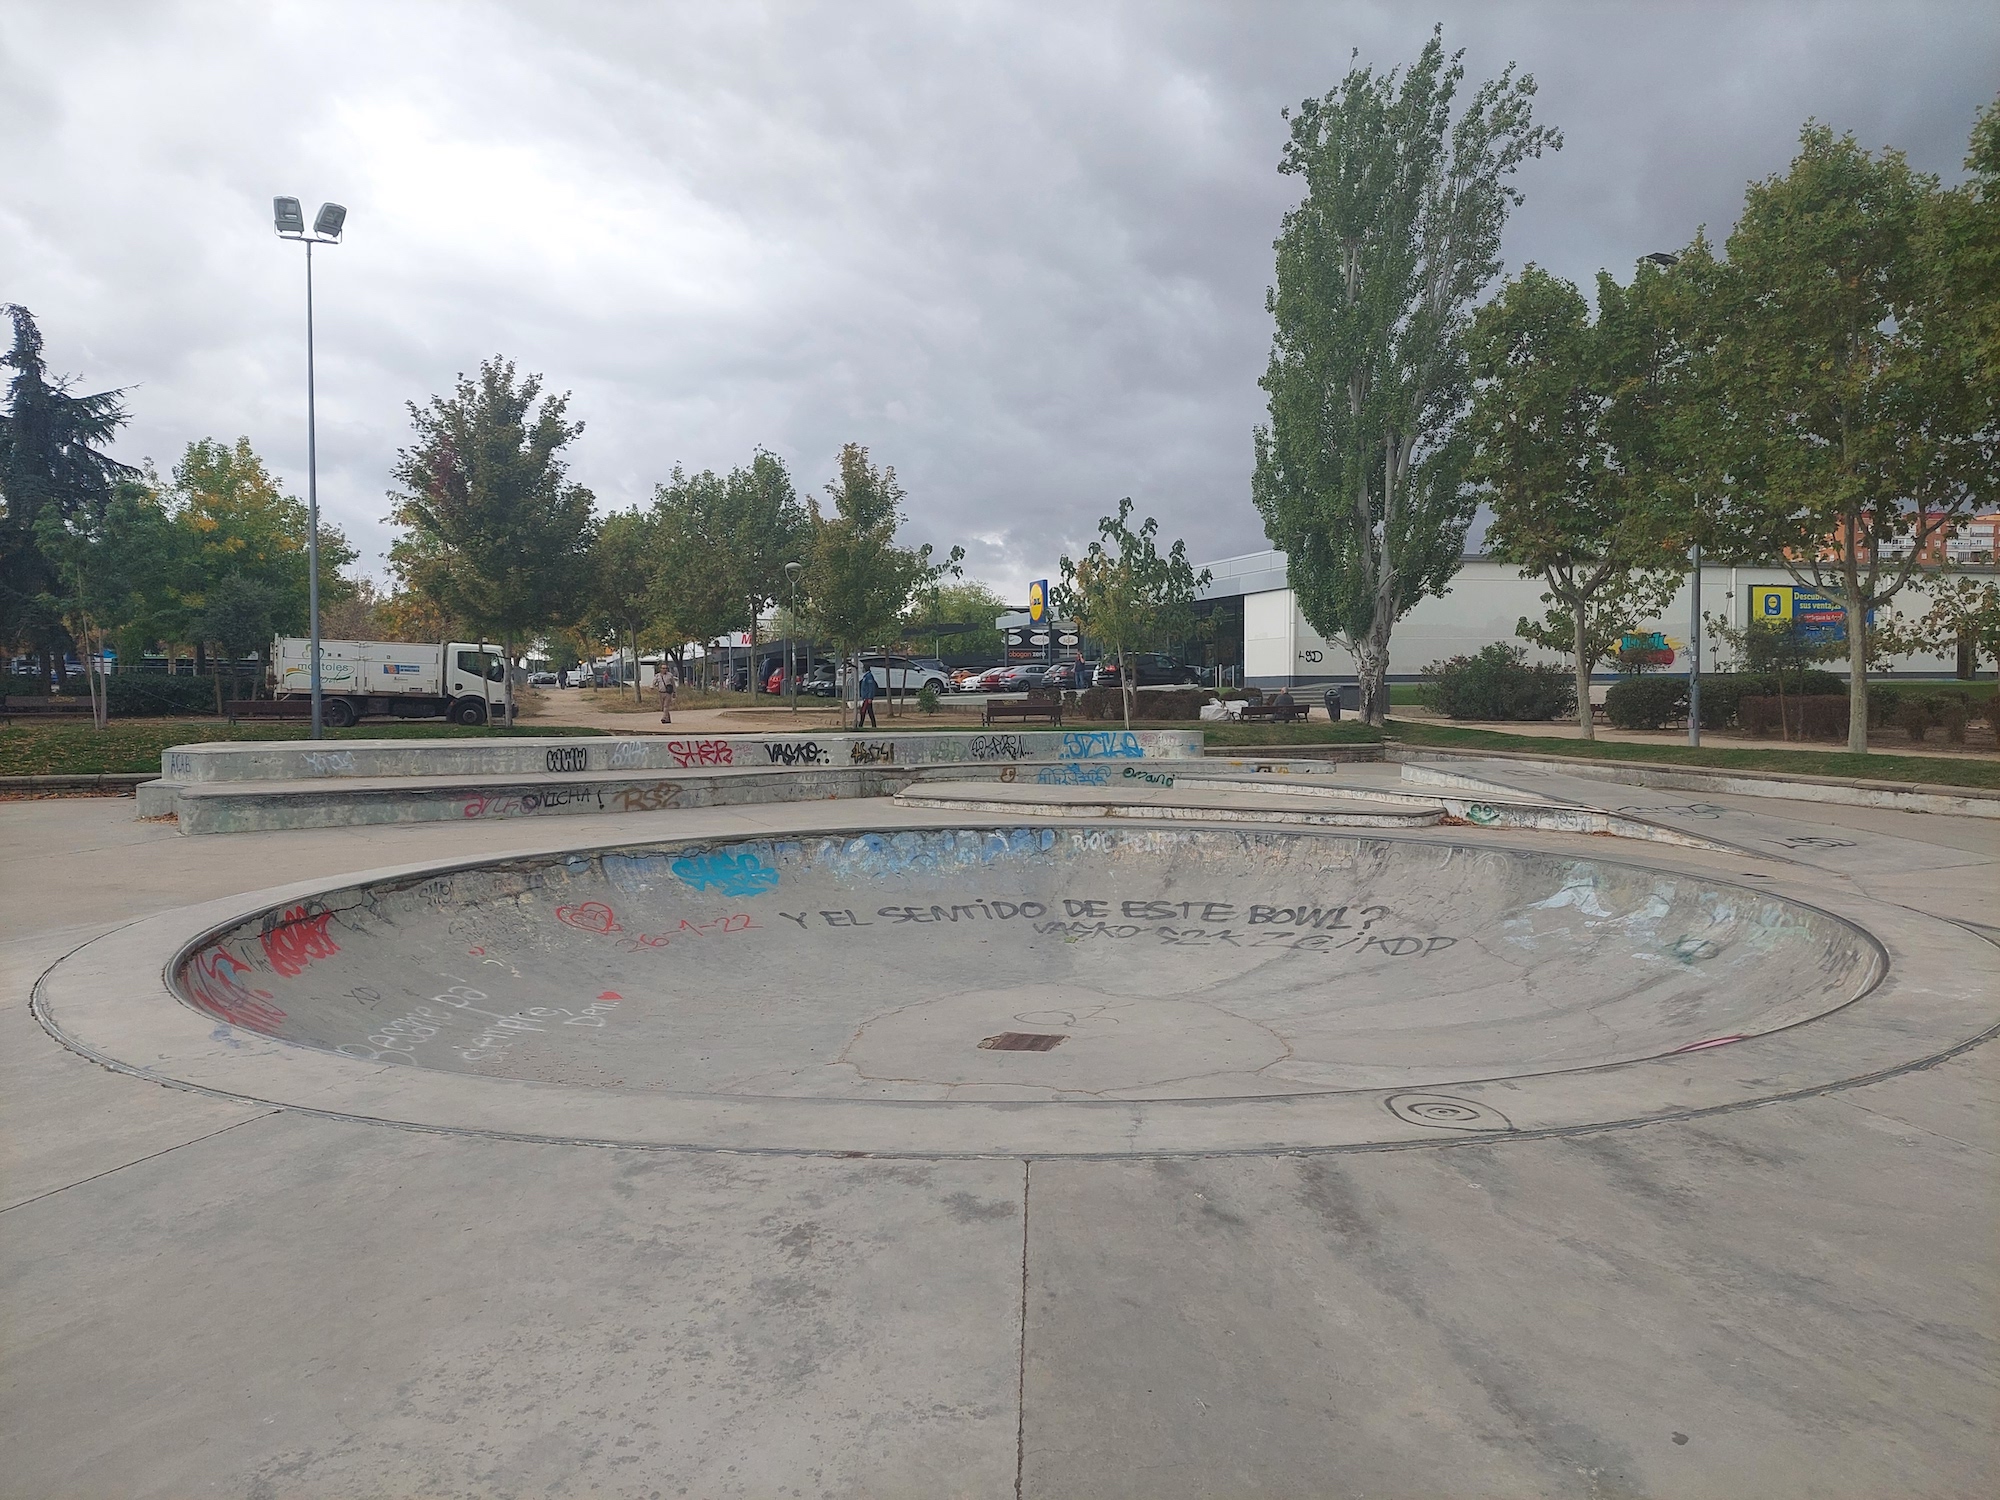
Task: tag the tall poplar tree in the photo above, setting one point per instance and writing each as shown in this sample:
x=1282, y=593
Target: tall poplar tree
x=1360, y=473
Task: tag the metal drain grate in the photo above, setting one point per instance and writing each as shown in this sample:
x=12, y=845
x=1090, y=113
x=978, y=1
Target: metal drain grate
x=1024, y=1041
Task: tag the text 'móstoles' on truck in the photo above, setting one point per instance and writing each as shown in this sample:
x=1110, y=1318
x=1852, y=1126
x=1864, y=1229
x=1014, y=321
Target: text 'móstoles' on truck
x=459, y=680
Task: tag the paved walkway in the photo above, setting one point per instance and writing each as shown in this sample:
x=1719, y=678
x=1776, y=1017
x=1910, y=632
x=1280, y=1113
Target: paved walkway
x=203, y=1295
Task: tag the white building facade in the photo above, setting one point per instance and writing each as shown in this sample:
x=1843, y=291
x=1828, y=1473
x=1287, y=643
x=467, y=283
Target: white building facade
x=1482, y=605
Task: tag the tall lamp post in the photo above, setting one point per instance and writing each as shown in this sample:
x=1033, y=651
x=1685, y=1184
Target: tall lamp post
x=1667, y=262
x=290, y=223
x=791, y=623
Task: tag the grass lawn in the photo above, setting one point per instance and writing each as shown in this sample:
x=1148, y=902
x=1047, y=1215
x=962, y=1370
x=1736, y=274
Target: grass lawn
x=135, y=744
x=1967, y=771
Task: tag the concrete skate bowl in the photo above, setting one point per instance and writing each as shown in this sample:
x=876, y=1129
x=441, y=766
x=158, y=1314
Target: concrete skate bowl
x=1036, y=991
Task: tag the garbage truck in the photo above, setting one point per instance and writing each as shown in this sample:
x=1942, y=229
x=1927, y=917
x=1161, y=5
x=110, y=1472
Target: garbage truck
x=463, y=681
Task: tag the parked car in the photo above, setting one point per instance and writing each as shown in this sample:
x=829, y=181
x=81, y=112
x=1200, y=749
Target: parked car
x=1149, y=669
x=541, y=679
x=1062, y=675
x=906, y=675
x=984, y=682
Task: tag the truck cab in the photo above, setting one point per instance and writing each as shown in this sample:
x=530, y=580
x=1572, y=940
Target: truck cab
x=475, y=682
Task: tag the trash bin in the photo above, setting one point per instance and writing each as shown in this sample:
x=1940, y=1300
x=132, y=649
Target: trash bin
x=1333, y=703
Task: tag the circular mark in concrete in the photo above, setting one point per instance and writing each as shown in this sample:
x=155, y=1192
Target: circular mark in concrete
x=1216, y=991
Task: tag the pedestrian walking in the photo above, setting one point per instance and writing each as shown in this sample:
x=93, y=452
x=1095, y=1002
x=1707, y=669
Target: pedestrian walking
x=666, y=697
x=867, y=692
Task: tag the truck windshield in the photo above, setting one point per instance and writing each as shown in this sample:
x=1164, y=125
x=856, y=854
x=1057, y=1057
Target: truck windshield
x=482, y=664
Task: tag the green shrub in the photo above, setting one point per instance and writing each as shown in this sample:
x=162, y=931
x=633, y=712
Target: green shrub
x=1913, y=717
x=927, y=698
x=26, y=686
x=1498, y=683
x=1648, y=702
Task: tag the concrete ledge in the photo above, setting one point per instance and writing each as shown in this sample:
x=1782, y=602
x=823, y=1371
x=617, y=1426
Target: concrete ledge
x=1926, y=797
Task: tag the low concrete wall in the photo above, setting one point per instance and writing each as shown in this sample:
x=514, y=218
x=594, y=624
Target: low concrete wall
x=295, y=760
x=241, y=808
x=1971, y=802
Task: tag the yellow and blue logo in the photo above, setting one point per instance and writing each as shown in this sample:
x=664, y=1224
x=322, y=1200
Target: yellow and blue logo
x=1038, y=602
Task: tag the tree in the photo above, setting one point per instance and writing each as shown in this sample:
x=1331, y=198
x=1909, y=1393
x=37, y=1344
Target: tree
x=958, y=606
x=106, y=565
x=1125, y=595
x=1841, y=398
x=1566, y=450
x=624, y=559
x=54, y=476
x=238, y=523
x=857, y=582
x=1359, y=473
x=500, y=535
x=695, y=595
x=242, y=615
x=1963, y=618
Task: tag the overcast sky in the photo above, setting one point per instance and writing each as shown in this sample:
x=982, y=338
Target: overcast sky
x=1019, y=250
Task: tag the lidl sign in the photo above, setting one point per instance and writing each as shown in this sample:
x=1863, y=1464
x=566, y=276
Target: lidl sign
x=1038, y=601
x=1818, y=618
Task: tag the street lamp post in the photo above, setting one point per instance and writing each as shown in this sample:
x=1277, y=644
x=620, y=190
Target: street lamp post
x=290, y=223
x=791, y=622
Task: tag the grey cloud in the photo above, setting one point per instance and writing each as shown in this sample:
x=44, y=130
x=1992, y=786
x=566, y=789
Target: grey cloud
x=1018, y=249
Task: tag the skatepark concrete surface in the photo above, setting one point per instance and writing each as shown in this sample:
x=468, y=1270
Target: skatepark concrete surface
x=848, y=1148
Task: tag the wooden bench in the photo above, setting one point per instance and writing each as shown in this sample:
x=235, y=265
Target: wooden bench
x=1273, y=712
x=1045, y=707
x=36, y=704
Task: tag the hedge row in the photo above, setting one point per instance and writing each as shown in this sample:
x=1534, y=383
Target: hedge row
x=136, y=694
x=1653, y=702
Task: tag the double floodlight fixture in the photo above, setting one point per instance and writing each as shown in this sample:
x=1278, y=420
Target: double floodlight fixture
x=290, y=221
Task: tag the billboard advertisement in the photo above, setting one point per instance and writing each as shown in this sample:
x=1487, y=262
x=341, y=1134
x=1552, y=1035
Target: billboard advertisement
x=1818, y=618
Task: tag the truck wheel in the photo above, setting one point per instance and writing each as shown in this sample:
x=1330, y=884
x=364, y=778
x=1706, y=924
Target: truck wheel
x=470, y=712
x=337, y=713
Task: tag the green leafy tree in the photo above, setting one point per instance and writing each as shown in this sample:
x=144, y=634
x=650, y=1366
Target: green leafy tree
x=695, y=595
x=500, y=534
x=1359, y=474
x=1841, y=399
x=242, y=615
x=624, y=559
x=237, y=523
x=1124, y=595
x=1963, y=617
x=107, y=565
x=1567, y=448
x=55, y=478
x=857, y=581
x=946, y=610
